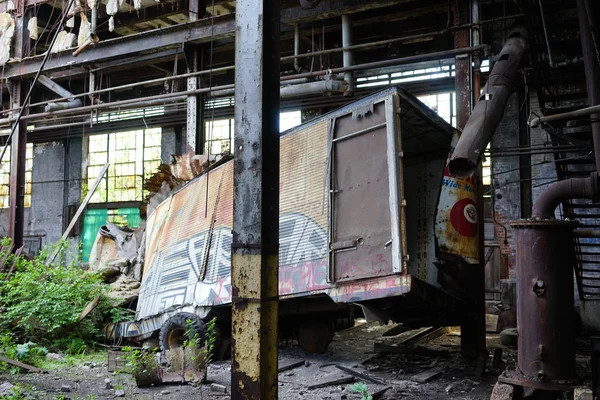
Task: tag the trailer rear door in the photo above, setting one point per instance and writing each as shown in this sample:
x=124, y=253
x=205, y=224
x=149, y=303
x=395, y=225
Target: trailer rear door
x=365, y=194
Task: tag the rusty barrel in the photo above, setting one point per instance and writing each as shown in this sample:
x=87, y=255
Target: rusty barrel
x=545, y=299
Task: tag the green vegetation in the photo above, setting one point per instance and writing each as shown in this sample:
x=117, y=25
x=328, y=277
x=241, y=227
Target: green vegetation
x=362, y=389
x=40, y=306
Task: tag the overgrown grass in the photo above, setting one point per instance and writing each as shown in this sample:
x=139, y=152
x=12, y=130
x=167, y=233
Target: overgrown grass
x=41, y=304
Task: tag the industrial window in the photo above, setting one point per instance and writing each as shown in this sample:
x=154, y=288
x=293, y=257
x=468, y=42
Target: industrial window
x=134, y=156
x=219, y=133
x=444, y=104
x=5, y=176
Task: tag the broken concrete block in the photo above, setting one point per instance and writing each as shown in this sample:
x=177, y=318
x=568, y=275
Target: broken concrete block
x=55, y=357
x=502, y=391
x=65, y=388
x=119, y=393
x=5, y=389
x=107, y=383
x=215, y=387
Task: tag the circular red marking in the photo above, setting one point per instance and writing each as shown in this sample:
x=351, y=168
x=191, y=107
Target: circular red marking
x=463, y=217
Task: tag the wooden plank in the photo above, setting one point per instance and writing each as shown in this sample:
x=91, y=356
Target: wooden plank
x=14, y=263
x=29, y=368
x=396, y=330
x=426, y=376
x=331, y=380
x=417, y=350
x=361, y=376
x=80, y=210
x=290, y=365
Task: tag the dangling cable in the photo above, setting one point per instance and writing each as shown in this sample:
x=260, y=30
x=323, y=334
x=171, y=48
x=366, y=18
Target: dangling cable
x=37, y=75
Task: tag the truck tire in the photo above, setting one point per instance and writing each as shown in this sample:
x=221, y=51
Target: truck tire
x=172, y=333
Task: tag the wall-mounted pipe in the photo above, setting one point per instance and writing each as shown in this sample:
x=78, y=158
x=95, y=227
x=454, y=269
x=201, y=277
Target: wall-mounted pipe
x=50, y=107
x=582, y=112
x=488, y=112
x=555, y=194
x=347, y=41
x=287, y=78
x=297, y=66
x=592, y=74
x=546, y=36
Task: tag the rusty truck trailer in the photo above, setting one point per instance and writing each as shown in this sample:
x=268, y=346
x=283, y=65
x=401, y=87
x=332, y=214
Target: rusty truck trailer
x=367, y=211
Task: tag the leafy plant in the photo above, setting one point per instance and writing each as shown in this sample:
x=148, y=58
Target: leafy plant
x=362, y=389
x=141, y=363
x=45, y=302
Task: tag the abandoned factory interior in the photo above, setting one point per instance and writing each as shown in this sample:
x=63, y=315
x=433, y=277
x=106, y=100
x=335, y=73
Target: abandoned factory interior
x=300, y=199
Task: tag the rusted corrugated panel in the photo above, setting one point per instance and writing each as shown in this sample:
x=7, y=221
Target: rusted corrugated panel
x=456, y=226
x=303, y=232
x=188, y=256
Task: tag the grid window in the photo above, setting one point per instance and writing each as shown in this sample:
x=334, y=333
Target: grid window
x=219, y=132
x=133, y=157
x=5, y=176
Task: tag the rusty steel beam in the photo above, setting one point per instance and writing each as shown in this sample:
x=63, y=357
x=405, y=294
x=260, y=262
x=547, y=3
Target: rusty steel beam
x=473, y=323
x=16, y=188
x=254, y=272
x=174, y=36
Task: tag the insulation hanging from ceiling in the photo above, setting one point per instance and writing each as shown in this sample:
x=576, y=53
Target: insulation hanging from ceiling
x=84, y=30
x=7, y=30
x=32, y=28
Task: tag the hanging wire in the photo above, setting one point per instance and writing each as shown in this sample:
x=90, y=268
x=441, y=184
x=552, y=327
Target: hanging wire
x=35, y=79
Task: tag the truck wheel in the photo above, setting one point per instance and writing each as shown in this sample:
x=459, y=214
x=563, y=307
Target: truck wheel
x=172, y=333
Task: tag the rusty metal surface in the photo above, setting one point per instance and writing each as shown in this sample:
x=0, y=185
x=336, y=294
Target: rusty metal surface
x=545, y=300
x=256, y=181
x=517, y=379
x=456, y=223
x=359, y=186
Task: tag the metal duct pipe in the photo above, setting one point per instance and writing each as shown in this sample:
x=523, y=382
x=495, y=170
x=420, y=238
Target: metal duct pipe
x=545, y=297
x=583, y=112
x=347, y=41
x=329, y=86
x=55, y=87
x=573, y=188
x=62, y=105
x=302, y=89
x=488, y=112
x=592, y=74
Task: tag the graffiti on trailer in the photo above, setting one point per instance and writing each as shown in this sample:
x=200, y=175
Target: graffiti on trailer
x=175, y=278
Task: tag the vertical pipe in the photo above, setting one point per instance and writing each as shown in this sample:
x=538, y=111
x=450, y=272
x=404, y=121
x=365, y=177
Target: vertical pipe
x=545, y=299
x=475, y=41
x=462, y=83
x=297, y=66
x=592, y=74
x=347, y=41
x=473, y=324
x=254, y=272
x=94, y=22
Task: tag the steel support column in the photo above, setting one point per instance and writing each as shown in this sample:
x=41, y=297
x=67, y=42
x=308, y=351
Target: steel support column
x=473, y=325
x=18, y=149
x=255, y=201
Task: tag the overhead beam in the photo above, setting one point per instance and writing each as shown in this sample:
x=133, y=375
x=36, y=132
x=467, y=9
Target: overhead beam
x=334, y=8
x=175, y=36
x=147, y=42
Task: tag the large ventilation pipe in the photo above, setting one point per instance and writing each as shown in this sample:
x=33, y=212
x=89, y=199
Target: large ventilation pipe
x=489, y=109
x=62, y=92
x=347, y=41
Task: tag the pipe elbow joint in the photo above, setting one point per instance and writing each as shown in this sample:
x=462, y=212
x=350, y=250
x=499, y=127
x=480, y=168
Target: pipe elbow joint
x=574, y=188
